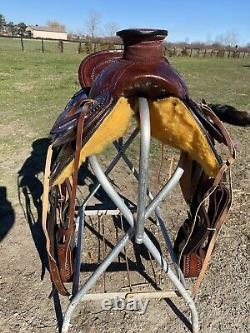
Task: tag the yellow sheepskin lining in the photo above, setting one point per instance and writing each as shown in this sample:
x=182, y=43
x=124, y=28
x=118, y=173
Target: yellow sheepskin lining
x=112, y=128
x=173, y=124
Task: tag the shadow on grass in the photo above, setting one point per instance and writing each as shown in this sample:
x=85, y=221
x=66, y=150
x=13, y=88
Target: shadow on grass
x=30, y=190
x=7, y=214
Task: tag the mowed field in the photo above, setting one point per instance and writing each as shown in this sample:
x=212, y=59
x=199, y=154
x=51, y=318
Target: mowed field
x=34, y=88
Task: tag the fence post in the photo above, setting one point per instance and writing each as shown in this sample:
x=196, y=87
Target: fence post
x=61, y=46
x=191, y=52
x=80, y=47
x=42, y=46
x=22, y=43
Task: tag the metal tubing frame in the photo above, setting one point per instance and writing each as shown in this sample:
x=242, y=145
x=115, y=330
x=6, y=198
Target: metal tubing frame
x=79, y=246
x=114, y=196
x=159, y=218
x=143, y=175
x=112, y=164
x=83, y=212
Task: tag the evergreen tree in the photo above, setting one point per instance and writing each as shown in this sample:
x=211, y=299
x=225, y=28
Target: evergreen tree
x=21, y=27
x=11, y=28
x=2, y=23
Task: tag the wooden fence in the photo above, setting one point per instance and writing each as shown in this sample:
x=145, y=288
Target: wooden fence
x=86, y=46
x=208, y=52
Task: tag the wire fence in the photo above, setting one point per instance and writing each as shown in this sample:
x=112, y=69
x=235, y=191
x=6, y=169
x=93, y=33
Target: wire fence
x=26, y=44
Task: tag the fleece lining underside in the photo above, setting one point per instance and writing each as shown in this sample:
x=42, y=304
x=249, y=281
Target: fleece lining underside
x=171, y=123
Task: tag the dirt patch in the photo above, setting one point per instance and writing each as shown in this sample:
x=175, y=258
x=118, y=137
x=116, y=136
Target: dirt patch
x=25, y=285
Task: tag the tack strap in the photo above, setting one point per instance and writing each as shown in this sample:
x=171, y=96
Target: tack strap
x=54, y=271
x=61, y=269
x=71, y=215
x=212, y=242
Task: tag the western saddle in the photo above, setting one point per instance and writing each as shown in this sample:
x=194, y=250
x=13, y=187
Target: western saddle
x=99, y=113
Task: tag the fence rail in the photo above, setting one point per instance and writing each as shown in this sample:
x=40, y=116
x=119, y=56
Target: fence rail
x=87, y=46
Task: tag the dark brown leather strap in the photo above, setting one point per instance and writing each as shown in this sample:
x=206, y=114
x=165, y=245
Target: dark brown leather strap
x=76, y=165
x=227, y=139
x=55, y=274
x=48, y=229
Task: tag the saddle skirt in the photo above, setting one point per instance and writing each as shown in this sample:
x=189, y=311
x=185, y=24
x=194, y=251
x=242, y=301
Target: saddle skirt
x=100, y=113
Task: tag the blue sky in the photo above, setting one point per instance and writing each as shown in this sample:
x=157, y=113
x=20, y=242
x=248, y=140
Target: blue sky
x=185, y=20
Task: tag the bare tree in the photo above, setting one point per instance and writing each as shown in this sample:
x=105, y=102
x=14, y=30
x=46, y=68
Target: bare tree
x=92, y=23
x=111, y=28
x=229, y=38
x=56, y=24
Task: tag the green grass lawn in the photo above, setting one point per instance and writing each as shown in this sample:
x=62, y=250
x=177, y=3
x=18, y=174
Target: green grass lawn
x=35, y=87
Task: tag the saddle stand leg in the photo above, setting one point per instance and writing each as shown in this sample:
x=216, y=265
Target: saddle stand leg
x=136, y=224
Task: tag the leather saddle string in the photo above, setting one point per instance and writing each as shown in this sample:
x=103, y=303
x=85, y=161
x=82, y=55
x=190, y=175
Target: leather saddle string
x=222, y=218
x=80, y=125
x=207, y=195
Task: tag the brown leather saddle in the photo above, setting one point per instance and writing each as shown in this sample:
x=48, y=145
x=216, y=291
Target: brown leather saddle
x=111, y=83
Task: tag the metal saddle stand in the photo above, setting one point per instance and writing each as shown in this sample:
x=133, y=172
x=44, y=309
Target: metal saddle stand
x=136, y=226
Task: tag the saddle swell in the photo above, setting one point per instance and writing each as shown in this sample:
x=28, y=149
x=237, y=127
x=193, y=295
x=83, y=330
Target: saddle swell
x=100, y=113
